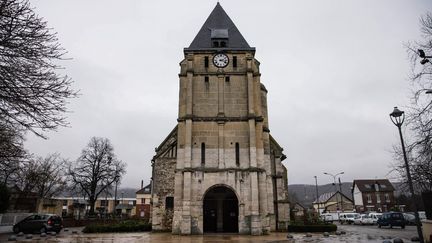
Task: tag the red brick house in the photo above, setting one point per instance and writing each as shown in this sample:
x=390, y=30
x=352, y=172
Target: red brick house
x=375, y=195
x=143, y=197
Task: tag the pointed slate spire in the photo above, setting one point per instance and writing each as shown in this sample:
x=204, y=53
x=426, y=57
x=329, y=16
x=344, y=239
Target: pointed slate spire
x=219, y=25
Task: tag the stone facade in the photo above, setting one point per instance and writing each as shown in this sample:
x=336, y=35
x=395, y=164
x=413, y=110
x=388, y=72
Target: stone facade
x=220, y=162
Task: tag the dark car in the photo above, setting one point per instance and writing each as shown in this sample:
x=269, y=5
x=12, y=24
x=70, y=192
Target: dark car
x=39, y=223
x=392, y=219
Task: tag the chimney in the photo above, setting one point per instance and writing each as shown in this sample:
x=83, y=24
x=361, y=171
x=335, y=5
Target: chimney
x=142, y=184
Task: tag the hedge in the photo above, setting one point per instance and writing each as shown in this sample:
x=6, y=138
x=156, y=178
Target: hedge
x=312, y=228
x=125, y=226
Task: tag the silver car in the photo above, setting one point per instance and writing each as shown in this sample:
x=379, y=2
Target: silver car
x=363, y=220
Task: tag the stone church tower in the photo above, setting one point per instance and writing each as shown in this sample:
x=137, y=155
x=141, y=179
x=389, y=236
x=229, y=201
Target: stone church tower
x=220, y=170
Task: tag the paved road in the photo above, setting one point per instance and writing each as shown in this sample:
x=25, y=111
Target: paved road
x=375, y=234
x=354, y=233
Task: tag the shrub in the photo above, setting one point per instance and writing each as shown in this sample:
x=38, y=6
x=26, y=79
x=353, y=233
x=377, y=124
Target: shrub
x=124, y=226
x=312, y=228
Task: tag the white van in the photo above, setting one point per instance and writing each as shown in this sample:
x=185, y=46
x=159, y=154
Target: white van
x=347, y=217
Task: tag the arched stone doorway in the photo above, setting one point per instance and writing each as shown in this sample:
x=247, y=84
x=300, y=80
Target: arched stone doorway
x=220, y=210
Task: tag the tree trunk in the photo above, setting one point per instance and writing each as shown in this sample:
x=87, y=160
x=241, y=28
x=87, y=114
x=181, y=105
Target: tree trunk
x=92, y=206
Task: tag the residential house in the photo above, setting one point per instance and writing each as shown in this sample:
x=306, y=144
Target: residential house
x=143, y=197
x=375, y=195
x=333, y=202
x=78, y=206
x=298, y=211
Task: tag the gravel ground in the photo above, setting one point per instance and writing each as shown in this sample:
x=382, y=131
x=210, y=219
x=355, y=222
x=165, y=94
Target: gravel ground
x=354, y=233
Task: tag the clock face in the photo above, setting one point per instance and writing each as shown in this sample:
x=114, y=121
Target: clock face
x=220, y=60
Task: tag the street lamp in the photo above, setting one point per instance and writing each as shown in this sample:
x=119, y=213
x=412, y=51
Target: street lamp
x=334, y=183
x=334, y=176
x=398, y=117
x=317, y=197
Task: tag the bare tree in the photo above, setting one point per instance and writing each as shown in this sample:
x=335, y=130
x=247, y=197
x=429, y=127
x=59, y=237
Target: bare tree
x=45, y=176
x=52, y=173
x=32, y=92
x=11, y=153
x=419, y=115
x=96, y=169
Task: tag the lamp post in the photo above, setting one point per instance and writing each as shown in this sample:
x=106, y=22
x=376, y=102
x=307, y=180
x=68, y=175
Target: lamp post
x=398, y=117
x=334, y=183
x=317, y=197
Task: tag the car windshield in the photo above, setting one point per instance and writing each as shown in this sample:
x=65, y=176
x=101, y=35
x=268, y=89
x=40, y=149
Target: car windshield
x=396, y=215
x=350, y=215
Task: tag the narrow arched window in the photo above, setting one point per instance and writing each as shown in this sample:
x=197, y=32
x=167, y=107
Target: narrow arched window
x=234, y=61
x=169, y=203
x=237, y=153
x=202, y=153
x=206, y=61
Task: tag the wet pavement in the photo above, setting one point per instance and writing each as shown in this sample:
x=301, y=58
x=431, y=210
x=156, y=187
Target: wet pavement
x=354, y=233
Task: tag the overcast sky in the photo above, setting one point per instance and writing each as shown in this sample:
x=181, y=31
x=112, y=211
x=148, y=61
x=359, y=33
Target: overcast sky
x=333, y=69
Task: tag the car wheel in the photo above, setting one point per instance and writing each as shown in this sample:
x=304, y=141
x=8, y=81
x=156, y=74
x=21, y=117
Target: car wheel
x=16, y=229
x=379, y=226
x=57, y=231
x=403, y=226
x=42, y=230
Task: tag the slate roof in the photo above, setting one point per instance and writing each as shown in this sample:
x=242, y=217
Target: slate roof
x=373, y=185
x=217, y=23
x=145, y=190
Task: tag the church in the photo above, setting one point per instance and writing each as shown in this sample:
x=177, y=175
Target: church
x=219, y=169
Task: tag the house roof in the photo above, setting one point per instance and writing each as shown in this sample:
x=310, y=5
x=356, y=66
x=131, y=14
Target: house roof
x=219, y=25
x=373, y=185
x=298, y=204
x=145, y=190
x=325, y=197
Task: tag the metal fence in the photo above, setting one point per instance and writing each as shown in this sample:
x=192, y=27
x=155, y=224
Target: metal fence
x=12, y=218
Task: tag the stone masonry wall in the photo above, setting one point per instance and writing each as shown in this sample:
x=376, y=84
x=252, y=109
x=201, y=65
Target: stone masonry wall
x=163, y=187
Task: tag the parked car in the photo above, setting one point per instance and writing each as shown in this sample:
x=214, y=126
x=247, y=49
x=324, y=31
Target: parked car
x=39, y=223
x=347, y=217
x=409, y=218
x=375, y=217
x=363, y=220
x=392, y=219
